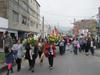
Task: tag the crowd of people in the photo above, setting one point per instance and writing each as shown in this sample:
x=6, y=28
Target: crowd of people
x=40, y=48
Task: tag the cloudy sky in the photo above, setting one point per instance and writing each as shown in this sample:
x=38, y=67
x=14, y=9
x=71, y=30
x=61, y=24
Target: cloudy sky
x=63, y=12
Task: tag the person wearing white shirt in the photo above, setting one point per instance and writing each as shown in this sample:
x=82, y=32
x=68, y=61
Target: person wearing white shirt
x=18, y=49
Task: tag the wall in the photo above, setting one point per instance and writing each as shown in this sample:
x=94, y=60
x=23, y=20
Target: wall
x=3, y=8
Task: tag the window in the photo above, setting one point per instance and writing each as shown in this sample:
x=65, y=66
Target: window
x=34, y=23
x=37, y=25
x=31, y=23
x=24, y=5
x=27, y=22
x=15, y=16
x=24, y=20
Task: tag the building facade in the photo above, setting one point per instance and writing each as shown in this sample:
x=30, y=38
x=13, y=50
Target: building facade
x=86, y=24
x=23, y=16
x=98, y=28
x=98, y=21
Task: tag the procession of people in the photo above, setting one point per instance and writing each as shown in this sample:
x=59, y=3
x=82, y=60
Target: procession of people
x=33, y=47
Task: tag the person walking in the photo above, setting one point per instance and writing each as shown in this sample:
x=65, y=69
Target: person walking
x=41, y=50
x=83, y=44
x=7, y=42
x=29, y=46
x=65, y=43
x=28, y=54
x=61, y=46
x=92, y=46
x=50, y=52
x=18, y=48
x=68, y=44
x=34, y=55
x=87, y=46
x=76, y=46
x=9, y=60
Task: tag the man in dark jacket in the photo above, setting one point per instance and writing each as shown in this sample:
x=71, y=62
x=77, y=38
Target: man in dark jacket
x=7, y=42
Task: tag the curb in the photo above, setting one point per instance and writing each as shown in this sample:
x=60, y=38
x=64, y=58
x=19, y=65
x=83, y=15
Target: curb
x=3, y=68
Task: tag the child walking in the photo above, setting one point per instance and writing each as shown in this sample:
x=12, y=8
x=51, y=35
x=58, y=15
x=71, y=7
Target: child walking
x=9, y=61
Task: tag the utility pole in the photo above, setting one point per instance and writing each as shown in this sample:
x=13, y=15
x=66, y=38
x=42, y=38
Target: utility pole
x=74, y=20
x=99, y=26
x=75, y=29
x=43, y=27
x=99, y=20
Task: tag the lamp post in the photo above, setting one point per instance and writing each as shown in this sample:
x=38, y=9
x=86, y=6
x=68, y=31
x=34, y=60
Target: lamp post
x=43, y=27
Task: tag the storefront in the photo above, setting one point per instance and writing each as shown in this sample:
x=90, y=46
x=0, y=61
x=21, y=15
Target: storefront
x=13, y=34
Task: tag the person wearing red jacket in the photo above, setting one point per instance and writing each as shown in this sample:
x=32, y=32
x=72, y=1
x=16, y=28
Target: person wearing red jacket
x=50, y=53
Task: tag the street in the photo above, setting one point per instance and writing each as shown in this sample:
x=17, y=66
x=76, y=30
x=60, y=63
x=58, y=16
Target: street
x=67, y=64
x=31, y=28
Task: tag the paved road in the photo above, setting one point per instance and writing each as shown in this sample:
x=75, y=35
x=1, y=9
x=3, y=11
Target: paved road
x=68, y=64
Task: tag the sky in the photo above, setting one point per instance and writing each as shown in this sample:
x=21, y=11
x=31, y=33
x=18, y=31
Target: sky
x=63, y=12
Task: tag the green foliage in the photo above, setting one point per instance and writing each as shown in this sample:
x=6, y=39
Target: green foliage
x=53, y=38
x=29, y=40
x=2, y=57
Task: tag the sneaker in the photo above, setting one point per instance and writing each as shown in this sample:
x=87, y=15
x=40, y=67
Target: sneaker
x=12, y=71
x=51, y=68
x=8, y=73
x=18, y=70
x=32, y=71
x=29, y=69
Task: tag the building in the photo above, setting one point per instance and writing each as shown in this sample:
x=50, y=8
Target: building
x=85, y=24
x=98, y=28
x=47, y=30
x=23, y=16
x=98, y=21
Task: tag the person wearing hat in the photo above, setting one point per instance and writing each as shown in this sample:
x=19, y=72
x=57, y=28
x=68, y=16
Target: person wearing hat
x=7, y=42
x=7, y=50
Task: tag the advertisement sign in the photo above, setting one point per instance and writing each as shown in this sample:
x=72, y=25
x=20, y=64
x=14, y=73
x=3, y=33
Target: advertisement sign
x=3, y=23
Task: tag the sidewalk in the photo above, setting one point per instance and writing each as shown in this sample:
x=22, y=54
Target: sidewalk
x=1, y=50
x=3, y=67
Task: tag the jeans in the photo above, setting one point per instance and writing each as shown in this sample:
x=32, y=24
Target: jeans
x=50, y=59
x=61, y=48
x=75, y=50
x=18, y=61
x=92, y=50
